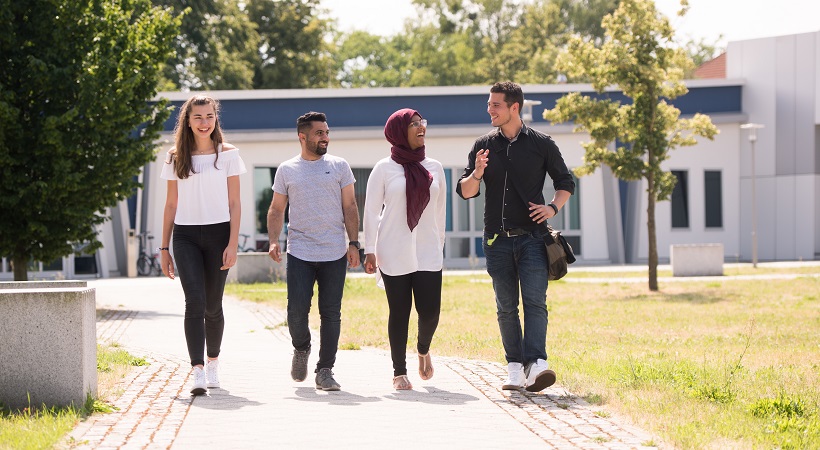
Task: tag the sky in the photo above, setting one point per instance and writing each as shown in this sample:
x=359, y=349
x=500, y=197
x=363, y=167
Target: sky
x=707, y=19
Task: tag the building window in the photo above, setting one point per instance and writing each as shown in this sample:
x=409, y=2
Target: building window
x=680, y=200
x=262, y=195
x=713, y=203
x=360, y=187
x=569, y=217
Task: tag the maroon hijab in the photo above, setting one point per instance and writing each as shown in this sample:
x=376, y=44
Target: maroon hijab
x=418, y=178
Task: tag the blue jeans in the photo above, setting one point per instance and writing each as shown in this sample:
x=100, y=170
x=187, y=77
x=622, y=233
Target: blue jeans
x=513, y=262
x=198, y=251
x=330, y=276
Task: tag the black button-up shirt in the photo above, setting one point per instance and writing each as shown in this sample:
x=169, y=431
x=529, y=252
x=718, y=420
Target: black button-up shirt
x=532, y=156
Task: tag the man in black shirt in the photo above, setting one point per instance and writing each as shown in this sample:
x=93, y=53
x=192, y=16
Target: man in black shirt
x=514, y=154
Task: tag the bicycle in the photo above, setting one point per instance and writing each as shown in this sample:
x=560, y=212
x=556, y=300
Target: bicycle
x=243, y=246
x=148, y=262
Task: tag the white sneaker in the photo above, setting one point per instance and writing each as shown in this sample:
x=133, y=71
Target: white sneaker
x=199, y=387
x=515, y=378
x=539, y=376
x=212, y=373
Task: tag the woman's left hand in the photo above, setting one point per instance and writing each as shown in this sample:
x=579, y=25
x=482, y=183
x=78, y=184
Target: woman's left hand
x=228, y=257
x=370, y=263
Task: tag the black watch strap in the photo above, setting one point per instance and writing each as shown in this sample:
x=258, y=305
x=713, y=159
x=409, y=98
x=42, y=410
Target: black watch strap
x=355, y=244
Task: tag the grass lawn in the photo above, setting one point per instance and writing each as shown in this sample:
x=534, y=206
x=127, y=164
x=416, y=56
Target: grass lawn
x=44, y=428
x=727, y=364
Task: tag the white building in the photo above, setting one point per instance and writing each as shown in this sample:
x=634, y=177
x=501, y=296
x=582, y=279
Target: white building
x=773, y=81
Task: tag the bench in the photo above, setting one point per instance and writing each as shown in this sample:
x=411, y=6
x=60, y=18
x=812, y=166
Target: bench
x=694, y=260
x=256, y=267
x=48, y=333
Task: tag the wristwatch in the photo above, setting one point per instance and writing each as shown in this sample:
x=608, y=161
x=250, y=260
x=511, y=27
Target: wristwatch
x=355, y=244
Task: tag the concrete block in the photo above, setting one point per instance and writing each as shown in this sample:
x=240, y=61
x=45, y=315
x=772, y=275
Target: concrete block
x=49, y=346
x=42, y=284
x=693, y=260
x=256, y=267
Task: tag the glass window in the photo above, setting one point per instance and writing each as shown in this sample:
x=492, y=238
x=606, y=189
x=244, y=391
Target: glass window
x=459, y=247
x=713, y=203
x=56, y=265
x=478, y=213
x=448, y=179
x=360, y=187
x=569, y=217
x=262, y=194
x=680, y=200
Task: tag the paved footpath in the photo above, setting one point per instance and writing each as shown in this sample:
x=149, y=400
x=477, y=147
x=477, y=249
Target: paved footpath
x=260, y=406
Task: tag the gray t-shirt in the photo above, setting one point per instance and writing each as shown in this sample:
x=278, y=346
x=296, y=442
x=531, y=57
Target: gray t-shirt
x=316, y=228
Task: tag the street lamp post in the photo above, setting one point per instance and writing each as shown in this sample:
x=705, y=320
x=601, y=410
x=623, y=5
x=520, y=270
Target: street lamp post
x=753, y=127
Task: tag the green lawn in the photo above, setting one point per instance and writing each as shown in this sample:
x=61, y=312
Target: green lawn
x=727, y=364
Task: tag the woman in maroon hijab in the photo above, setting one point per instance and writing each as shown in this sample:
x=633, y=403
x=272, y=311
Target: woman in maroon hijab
x=404, y=223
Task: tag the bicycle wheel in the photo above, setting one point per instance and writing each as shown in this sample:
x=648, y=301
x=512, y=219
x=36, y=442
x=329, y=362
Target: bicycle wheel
x=144, y=266
x=156, y=266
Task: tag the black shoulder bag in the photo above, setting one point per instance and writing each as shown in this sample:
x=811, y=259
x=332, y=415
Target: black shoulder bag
x=559, y=252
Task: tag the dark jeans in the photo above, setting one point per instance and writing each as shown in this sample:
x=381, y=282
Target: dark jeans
x=513, y=262
x=198, y=252
x=330, y=276
x=400, y=290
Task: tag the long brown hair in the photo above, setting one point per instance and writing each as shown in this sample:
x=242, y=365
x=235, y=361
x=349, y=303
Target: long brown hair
x=184, y=142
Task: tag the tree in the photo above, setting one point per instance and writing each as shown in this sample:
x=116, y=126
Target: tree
x=216, y=47
x=292, y=51
x=457, y=43
x=76, y=119
x=637, y=56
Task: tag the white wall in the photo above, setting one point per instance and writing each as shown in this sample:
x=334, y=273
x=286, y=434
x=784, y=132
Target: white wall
x=781, y=92
x=719, y=154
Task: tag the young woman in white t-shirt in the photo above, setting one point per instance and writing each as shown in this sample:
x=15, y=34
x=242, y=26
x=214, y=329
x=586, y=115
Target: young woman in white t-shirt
x=202, y=213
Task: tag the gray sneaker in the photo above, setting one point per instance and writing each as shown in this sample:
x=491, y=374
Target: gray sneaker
x=298, y=367
x=325, y=381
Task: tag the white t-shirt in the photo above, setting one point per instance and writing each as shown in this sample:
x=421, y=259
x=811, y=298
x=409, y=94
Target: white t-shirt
x=202, y=198
x=398, y=250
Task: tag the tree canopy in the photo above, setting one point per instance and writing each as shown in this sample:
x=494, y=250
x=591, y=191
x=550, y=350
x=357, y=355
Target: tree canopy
x=638, y=57
x=76, y=119
x=282, y=44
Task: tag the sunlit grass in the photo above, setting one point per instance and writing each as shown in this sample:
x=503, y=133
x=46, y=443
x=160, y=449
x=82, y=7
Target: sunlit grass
x=727, y=364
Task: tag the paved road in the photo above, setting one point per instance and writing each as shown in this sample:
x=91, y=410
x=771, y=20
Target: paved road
x=259, y=406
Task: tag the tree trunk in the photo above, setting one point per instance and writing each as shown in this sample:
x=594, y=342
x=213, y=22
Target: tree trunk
x=20, y=264
x=653, y=244
x=650, y=228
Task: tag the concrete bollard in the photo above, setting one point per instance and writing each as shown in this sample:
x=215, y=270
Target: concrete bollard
x=256, y=267
x=693, y=260
x=49, y=345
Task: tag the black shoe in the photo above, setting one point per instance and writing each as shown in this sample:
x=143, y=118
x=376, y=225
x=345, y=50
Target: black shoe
x=325, y=381
x=298, y=366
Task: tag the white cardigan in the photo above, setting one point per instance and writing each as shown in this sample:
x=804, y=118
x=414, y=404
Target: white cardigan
x=398, y=250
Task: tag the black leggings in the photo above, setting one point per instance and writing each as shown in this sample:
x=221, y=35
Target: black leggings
x=426, y=288
x=198, y=251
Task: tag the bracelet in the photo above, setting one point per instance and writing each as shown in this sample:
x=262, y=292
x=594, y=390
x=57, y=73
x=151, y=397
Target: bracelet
x=475, y=177
x=163, y=248
x=553, y=207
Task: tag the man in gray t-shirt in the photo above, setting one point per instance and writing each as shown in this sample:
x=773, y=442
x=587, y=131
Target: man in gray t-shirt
x=319, y=188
